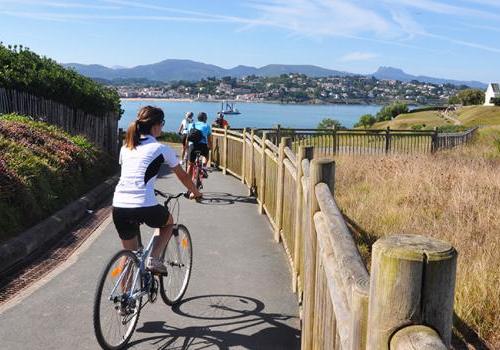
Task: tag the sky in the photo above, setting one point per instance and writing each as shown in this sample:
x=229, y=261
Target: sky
x=457, y=39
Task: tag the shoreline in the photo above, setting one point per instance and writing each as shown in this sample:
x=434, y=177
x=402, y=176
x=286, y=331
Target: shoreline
x=158, y=99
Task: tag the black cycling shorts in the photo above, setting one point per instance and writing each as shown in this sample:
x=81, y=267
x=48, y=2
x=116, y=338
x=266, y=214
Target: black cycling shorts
x=184, y=138
x=127, y=220
x=202, y=147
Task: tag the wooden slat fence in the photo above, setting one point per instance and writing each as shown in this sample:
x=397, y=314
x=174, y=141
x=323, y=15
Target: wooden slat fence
x=408, y=299
x=101, y=130
x=329, y=142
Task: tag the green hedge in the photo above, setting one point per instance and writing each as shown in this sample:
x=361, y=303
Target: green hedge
x=42, y=168
x=24, y=70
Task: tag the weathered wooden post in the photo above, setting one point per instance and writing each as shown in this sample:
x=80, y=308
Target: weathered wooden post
x=304, y=152
x=252, y=161
x=359, y=312
x=412, y=282
x=224, y=151
x=261, y=192
x=334, y=143
x=388, y=139
x=417, y=338
x=321, y=170
x=244, y=155
x=434, y=141
x=285, y=142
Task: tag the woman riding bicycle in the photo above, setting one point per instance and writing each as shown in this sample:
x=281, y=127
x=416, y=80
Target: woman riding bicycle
x=134, y=201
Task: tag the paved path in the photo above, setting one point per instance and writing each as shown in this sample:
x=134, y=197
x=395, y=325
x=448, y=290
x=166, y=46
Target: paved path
x=239, y=296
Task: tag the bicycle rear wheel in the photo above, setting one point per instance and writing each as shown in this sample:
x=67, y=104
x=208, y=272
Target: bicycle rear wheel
x=115, y=312
x=178, y=257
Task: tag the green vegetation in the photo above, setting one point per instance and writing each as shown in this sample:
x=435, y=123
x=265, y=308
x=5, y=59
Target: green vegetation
x=468, y=97
x=329, y=123
x=24, y=70
x=392, y=111
x=496, y=101
x=366, y=121
x=42, y=168
x=168, y=136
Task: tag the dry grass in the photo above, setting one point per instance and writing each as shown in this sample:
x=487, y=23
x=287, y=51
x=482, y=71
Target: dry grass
x=454, y=196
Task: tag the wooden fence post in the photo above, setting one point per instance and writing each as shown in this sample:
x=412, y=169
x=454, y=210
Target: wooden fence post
x=412, y=282
x=285, y=142
x=334, y=143
x=321, y=170
x=252, y=161
x=388, y=139
x=417, y=338
x=261, y=192
x=434, y=141
x=244, y=155
x=304, y=152
x=224, y=151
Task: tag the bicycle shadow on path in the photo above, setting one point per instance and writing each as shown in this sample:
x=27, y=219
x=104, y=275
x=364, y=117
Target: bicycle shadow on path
x=225, y=321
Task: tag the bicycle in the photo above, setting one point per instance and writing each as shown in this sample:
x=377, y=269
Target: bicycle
x=127, y=281
x=199, y=170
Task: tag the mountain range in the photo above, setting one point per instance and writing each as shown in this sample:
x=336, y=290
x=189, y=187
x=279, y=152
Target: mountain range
x=176, y=69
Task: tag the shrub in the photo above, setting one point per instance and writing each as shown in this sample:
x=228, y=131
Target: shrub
x=428, y=108
x=365, y=121
x=392, y=111
x=24, y=70
x=495, y=101
x=170, y=137
x=468, y=97
x=42, y=168
x=329, y=123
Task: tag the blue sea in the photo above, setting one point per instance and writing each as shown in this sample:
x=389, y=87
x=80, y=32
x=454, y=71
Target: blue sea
x=257, y=115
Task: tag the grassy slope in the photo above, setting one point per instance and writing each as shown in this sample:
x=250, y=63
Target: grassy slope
x=407, y=120
x=452, y=195
x=469, y=116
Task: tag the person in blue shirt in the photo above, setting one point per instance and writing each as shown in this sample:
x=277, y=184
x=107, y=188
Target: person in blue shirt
x=204, y=144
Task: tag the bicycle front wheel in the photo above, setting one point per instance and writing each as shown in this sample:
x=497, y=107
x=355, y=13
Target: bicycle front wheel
x=115, y=310
x=178, y=257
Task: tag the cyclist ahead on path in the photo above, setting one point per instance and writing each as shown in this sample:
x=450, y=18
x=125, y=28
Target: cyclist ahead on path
x=134, y=200
x=183, y=131
x=201, y=142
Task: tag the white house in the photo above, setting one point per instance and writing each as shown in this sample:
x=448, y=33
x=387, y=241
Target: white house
x=493, y=91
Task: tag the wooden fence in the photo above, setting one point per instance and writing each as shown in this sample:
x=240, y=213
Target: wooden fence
x=406, y=302
x=328, y=142
x=101, y=130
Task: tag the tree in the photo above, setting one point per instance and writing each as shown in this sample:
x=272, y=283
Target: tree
x=468, y=97
x=392, y=111
x=329, y=123
x=366, y=120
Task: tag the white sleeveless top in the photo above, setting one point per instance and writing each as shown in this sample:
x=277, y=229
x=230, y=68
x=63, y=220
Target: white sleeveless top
x=140, y=168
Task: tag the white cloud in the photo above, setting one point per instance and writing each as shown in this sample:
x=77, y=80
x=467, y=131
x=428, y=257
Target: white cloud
x=358, y=56
x=321, y=17
x=444, y=9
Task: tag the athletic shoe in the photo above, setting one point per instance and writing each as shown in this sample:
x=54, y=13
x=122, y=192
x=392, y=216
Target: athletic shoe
x=156, y=265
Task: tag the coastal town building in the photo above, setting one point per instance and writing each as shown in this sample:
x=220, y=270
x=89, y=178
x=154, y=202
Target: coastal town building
x=493, y=91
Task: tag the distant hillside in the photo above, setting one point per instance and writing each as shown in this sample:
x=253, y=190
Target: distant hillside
x=391, y=73
x=175, y=69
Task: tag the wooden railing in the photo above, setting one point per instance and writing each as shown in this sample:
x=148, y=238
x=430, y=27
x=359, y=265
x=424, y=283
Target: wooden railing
x=406, y=303
x=329, y=142
x=100, y=130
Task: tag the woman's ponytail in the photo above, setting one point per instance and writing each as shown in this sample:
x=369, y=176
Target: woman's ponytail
x=147, y=117
x=133, y=135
